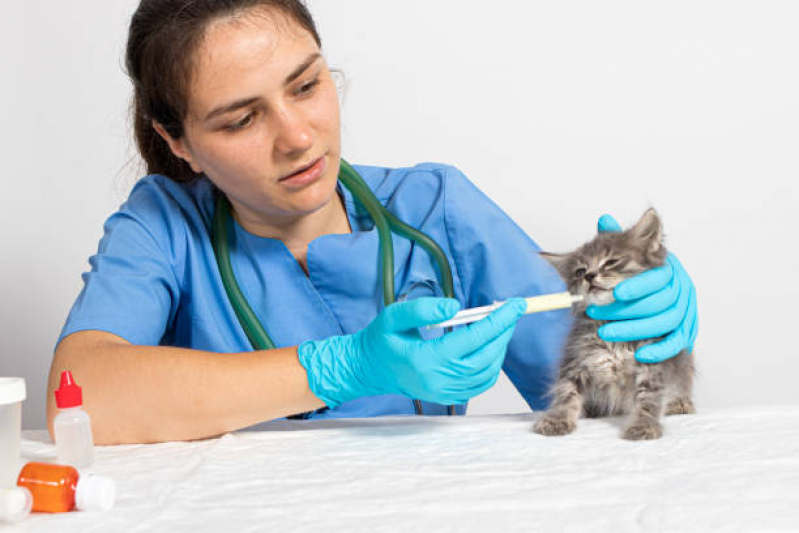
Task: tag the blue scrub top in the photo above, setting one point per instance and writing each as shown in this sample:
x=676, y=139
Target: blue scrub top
x=154, y=279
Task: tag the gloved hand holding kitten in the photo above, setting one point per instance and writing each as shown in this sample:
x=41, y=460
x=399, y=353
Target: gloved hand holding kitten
x=660, y=301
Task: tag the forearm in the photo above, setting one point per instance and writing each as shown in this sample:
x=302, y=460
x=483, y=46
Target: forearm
x=154, y=393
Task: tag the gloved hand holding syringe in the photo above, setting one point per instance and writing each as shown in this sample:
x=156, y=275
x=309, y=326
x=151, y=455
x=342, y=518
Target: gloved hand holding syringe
x=535, y=304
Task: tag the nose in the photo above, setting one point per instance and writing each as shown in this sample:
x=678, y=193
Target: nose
x=294, y=134
x=589, y=277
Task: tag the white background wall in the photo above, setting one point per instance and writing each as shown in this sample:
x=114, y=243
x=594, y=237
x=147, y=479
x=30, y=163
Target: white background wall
x=560, y=111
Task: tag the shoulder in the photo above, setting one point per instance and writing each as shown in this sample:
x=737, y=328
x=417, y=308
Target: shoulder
x=387, y=181
x=426, y=185
x=416, y=194
x=161, y=204
x=426, y=182
x=159, y=196
x=162, y=210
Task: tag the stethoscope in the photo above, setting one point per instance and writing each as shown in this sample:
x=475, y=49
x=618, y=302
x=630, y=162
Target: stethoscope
x=385, y=222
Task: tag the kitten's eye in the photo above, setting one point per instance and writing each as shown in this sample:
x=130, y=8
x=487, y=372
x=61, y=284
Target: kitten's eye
x=610, y=263
x=580, y=272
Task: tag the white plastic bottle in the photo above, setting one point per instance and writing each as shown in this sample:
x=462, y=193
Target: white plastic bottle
x=12, y=393
x=72, y=426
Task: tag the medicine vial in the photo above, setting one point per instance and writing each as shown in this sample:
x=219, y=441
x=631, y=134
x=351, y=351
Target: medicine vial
x=60, y=488
x=72, y=426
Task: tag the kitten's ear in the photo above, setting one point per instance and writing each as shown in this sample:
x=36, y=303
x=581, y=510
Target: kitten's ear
x=556, y=260
x=648, y=231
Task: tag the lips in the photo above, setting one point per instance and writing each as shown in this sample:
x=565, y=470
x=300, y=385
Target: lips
x=300, y=170
x=305, y=175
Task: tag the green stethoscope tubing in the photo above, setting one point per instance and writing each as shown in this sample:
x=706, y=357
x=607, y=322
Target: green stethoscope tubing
x=385, y=222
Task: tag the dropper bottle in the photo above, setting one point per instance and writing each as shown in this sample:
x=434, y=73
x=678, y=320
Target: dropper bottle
x=72, y=426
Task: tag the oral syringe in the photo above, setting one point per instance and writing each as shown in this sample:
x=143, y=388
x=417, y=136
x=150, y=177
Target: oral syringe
x=535, y=304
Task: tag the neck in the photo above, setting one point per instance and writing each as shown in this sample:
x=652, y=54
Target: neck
x=296, y=232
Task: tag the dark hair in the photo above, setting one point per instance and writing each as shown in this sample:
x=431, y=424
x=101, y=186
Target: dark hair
x=162, y=40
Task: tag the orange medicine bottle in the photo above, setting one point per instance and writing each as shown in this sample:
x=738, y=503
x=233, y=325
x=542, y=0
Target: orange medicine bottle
x=60, y=488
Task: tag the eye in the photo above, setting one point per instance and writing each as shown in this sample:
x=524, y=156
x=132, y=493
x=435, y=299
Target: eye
x=308, y=87
x=579, y=273
x=241, y=124
x=610, y=263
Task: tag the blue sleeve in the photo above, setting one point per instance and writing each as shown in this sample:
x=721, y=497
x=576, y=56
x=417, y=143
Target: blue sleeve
x=132, y=290
x=496, y=260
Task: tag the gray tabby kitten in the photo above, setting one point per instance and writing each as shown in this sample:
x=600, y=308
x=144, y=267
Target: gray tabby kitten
x=599, y=378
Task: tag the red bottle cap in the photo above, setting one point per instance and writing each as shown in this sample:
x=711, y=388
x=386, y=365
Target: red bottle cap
x=68, y=393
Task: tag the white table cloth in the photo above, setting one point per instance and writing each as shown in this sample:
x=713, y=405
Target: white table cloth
x=719, y=470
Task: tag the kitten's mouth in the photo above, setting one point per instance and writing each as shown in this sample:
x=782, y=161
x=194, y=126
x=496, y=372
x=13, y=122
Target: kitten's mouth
x=593, y=289
x=599, y=295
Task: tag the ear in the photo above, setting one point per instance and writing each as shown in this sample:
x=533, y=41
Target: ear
x=177, y=146
x=559, y=261
x=648, y=231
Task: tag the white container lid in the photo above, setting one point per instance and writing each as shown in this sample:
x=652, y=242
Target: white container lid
x=12, y=390
x=94, y=493
x=15, y=504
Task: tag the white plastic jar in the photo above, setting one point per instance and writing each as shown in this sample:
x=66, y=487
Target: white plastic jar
x=12, y=394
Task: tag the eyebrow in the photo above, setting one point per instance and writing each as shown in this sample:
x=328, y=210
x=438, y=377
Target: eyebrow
x=244, y=102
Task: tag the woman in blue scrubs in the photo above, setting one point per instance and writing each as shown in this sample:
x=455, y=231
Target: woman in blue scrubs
x=234, y=98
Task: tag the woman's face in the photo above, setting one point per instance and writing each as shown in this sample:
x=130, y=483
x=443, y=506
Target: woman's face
x=263, y=121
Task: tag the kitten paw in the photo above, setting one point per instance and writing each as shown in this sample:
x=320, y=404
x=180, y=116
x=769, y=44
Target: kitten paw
x=643, y=432
x=551, y=426
x=681, y=406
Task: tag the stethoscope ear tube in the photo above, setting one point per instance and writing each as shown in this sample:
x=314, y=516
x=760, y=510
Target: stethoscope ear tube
x=387, y=222
x=259, y=338
x=352, y=181
x=432, y=248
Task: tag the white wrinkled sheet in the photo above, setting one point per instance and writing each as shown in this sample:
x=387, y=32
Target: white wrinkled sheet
x=724, y=470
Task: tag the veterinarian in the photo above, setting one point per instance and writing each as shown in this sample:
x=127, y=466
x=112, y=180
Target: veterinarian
x=242, y=280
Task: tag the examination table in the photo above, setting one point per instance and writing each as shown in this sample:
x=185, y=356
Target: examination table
x=719, y=470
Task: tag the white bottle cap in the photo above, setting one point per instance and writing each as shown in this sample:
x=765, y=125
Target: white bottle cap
x=15, y=504
x=94, y=493
x=12, y=390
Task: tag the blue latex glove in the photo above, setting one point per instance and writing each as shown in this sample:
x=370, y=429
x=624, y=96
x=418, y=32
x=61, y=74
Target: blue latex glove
x=389, y=355
x=660, y=301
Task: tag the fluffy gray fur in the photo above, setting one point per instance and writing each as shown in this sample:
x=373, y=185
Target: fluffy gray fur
x=599, y=378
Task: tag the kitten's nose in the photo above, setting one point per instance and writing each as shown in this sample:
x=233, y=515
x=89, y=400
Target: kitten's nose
x=590, y=277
